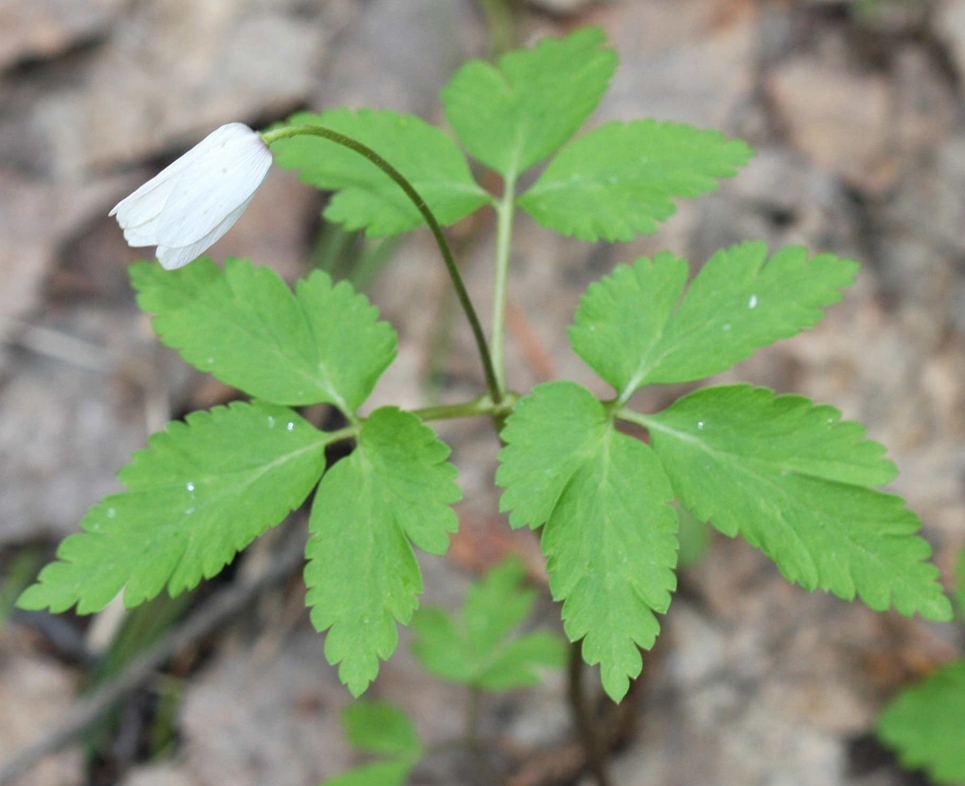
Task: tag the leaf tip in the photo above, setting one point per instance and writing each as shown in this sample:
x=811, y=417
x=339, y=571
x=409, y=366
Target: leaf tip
x=33, y=598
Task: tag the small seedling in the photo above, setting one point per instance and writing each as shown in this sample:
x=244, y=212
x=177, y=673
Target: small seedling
x=925, y=723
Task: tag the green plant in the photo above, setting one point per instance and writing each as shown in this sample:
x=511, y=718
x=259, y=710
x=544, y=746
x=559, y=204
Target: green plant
x=925, y=723
x=788, y=475
x=477, y=649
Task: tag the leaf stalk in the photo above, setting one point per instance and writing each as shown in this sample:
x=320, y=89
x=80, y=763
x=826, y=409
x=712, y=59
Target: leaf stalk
x=270, y=137
x=505, y=212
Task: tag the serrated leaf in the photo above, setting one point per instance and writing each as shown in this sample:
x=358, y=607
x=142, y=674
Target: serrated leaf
x=362, y=576
x=323, y=343
x=513, y=115
x=366, y=198
x=609, y=532
x=380, y=727
x=925, y=724
x=630, y=329
x=201, y=492
x=792, y=479
x=620, y=180
x=476, y=649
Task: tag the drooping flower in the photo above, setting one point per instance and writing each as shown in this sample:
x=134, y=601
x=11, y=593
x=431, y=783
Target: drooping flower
x=189, y=205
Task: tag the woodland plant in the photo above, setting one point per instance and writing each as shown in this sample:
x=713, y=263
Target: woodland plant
x=925, y=722
x=788, y=475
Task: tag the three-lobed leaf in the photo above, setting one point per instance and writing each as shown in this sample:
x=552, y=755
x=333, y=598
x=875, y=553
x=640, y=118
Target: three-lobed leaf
x=366, y=198
x=515, y=114
x=609, y=532
x=633, y=328
x=362, y=576
x=925, y=724
x=620, y=179
x=793, y=480
x=322, y=343
x=476, y=648
x=201, y=492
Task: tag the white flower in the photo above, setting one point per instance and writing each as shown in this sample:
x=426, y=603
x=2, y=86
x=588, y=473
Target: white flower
x=187, y=207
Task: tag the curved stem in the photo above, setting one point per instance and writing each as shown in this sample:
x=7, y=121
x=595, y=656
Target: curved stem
x=505, y=212
x=270, y=137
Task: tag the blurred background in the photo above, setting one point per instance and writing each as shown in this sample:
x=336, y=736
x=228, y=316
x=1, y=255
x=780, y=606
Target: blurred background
x=857, y=113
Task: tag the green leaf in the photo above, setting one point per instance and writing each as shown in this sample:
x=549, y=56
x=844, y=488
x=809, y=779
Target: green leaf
x=517, y=664
x=477, y=649
x=793, y=479
x=440, y=645
x=610, y=532
x=321, y=344
x=694, y=537
x=925, y=724
x=513, y=116
x=630, y=329
x=382, y=773
x=619, y=180
x=201, y=492
x=960, y=586
x=380, y=727
x=366, y=198
x=395, y=487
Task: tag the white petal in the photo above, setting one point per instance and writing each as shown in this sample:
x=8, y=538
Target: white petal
x=149, y=199
x=147, y=202
x=144, y=205
x=173, y=257
x=227, y=175
x=142, y=235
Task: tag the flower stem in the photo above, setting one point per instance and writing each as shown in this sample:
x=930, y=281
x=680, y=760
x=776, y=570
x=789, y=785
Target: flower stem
x=505, y=212
x=269, y=137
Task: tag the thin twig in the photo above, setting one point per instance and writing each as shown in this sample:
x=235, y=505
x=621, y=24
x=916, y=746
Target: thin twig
x=586, y=720
x=210, y=615
x=57, y=344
